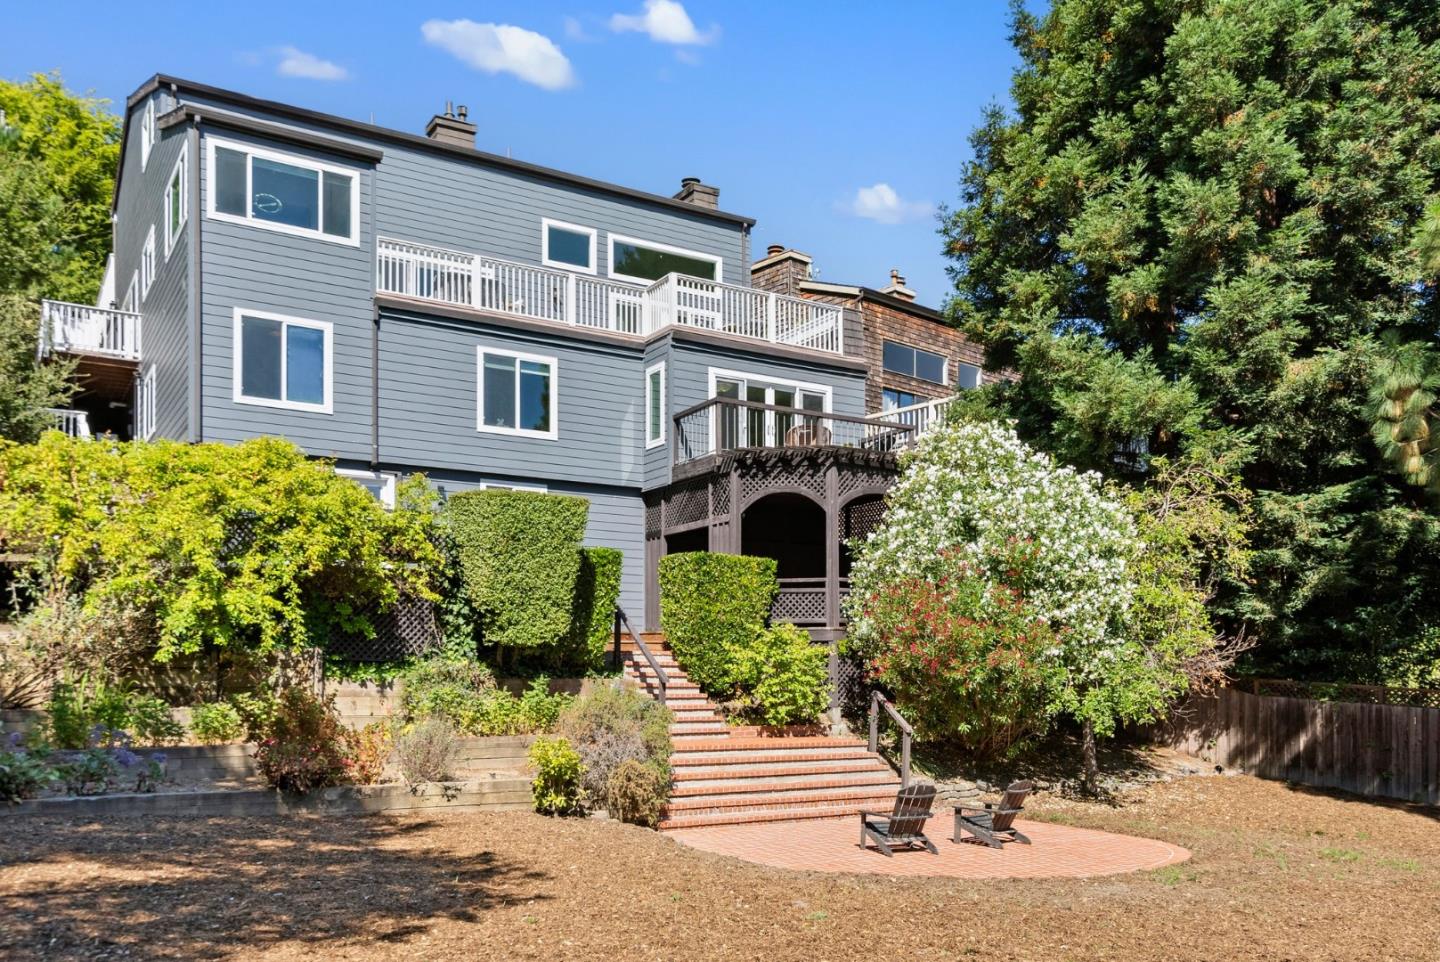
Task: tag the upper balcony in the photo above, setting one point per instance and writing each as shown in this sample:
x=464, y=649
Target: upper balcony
x=88, y=331
x=598, y=303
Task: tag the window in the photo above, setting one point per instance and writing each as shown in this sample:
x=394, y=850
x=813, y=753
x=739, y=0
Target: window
x=892, y=399
x=147, y=264
x=508, y=486
x=282, y=361
x=567, y=245
x=517, y=394
x=130, y=304
x=177, y=200
x=969, y=375
x=145, y=405
x=381, y=484
x=913, y=362
x=147, y=132
x=282, y=192
x=634, y=260
x=655, y=405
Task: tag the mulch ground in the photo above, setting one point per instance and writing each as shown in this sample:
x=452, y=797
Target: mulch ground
x=1277, y=873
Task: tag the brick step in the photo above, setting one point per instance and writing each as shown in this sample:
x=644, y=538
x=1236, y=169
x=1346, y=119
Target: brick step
x=721, y=754
x=750, y=817
x=675, y=687
x=683, y=699
x=644, y=673
x=709, y=728
x=781, y=744
x=725, y=788
x=863, y=796
x=743, y=768
x=697, y=713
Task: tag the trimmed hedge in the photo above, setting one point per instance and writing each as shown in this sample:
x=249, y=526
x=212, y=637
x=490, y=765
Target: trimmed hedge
x=519, y=557
x=597, y=591
x=710, y=606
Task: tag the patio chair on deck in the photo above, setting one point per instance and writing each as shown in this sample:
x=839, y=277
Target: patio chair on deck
x=994, y=823
x=904, y=825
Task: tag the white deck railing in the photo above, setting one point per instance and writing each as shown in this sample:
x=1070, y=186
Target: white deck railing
x=79, y=329
x=923, y=417
x=74, y=423
x=524, y=290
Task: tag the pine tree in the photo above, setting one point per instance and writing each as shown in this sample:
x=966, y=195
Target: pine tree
x=1187, y=236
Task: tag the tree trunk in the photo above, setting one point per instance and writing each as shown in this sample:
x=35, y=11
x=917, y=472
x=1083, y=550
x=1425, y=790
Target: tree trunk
x=1091, y=778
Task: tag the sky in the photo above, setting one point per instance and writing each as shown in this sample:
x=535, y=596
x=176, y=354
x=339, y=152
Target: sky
x=840, y=126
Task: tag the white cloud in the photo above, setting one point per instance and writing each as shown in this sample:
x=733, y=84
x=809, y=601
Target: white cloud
x=665, y=21
x=297, y=63
x=575, y=30
x=502, y=48
x=881, y=204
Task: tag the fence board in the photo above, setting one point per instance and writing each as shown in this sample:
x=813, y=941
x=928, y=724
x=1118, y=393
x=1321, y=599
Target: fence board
x=1373, y=748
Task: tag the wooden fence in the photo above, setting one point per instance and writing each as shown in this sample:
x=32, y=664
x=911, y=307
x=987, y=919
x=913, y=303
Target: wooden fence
x=1384, y=750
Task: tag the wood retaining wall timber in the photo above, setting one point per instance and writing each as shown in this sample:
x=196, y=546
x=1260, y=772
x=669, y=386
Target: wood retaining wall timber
x=1388, y=751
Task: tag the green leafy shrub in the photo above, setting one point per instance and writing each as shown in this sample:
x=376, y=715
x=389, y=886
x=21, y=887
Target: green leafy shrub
x=253, y=546
x=217, y=723
x=76, y=709
x=91, y=771
x=366, y=752
x=464, y=693
x=635, y=792
x=257, y=710
x=597, y=592
x=151, y=721
x=303, y=747
x=710, y=606
x=611, y=726
x=519, y=553
x=23, y=773
x=428, y=751
x=557, y=785
x=784, y=676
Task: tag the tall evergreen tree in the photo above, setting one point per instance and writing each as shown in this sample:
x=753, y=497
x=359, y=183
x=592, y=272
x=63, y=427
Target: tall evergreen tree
x=1186, y=237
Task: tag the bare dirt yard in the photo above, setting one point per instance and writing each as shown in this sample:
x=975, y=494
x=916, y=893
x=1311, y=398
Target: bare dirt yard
x=1278, y=873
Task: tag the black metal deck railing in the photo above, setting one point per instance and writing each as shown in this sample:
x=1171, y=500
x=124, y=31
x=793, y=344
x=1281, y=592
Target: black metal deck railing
x=728, y=424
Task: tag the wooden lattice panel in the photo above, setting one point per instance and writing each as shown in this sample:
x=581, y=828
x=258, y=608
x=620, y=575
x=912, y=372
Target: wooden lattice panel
x=407, y=630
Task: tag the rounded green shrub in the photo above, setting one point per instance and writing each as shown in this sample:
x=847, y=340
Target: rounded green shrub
x=710, y=606
x=558, y=770
x=784, y=676
x=217, y=723
x=635, y=792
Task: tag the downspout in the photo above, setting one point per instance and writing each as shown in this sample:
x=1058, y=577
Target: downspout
x=375, y=391
x=195, y=300
x=745, y=254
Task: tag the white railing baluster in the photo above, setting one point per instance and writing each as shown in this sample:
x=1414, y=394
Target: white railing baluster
x=81, y=329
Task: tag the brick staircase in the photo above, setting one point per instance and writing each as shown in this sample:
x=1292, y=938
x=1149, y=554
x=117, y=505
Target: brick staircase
x=724, y=776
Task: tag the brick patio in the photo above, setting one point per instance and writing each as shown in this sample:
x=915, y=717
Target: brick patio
x=830, y=845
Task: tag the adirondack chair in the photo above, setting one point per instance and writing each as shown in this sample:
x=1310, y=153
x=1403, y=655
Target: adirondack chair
x=902, y=825
x=994, y=823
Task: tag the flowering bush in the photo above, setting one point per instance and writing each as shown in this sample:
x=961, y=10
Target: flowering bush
x=1046, y=545
x=303, y=747
x=968, y=658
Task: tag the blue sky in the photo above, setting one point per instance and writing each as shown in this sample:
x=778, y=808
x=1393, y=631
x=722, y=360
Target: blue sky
x=839, y=126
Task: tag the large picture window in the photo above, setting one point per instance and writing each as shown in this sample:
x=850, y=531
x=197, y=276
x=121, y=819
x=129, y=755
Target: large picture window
x=517, y=393
x=282, y=192
x=913, y=362
x=282, y=361
x=635, y=260
x=567, y=245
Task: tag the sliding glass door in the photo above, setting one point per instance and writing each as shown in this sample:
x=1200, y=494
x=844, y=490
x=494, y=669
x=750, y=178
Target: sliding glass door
x=755, y=427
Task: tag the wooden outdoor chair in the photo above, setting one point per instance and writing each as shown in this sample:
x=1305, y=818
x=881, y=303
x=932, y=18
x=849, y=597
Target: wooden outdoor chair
x=904, y=824
x=994, y=823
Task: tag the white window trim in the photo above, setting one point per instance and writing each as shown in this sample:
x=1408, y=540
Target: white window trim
x=388, y=478
x=145, y=404
x=621, y=239
x=545, y=224
x=944, y=363
x=716, y=373
x=327, y=407
x=178, y=176
x=649, y=441
x=130, y=305
x=295, y=160
x=147, y=132
x=507, y=486
x=147, y=264
x=979, y=375
x=480, y=425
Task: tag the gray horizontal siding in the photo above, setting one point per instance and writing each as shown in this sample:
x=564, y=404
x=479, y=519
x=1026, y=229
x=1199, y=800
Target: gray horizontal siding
x=429, y=392
x=690, y=366
x=264, y=270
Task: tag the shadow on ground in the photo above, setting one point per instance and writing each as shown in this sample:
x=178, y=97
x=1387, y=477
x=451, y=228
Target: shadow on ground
x=219, y=888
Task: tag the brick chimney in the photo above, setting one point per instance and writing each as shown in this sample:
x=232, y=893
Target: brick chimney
x=701, y=195
x=780, y=271
x=450, y=128
x=897, y=286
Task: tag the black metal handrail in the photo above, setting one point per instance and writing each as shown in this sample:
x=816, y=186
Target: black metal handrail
x=863, y=432
x=661, y=677
x=877, y=701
